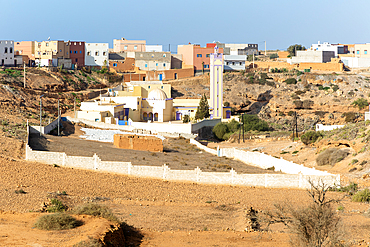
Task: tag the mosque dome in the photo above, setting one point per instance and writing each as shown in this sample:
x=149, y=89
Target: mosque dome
x=157, y=94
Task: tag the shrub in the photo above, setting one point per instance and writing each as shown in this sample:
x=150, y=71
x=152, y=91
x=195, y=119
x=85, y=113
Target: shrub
x=350, y=117
x=55, y=206
x=274, y=55
x=298, y=104
x=360, y=103
x=58, y=221
x=310, y=137
x=314, y=225
x=331, y=156
x=362, y=196
x=307, y=104
x=233, y=126
x=186, y=119
x=253, y=122
x=92, y=242
x=220, y=130
x=350, y=189
x=96, y=210
x=291, y=81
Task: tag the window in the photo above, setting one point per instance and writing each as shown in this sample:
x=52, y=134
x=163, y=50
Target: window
x=76, y=60
x=161, y=87
x=148, y=87
x=125, y=47
x=104, y=53
x=70, y=52
x=80, y=52
x=365, y=52
x=240, y=63
x=75, y=52
x=164, y=65
x=60, y=50
x=47, y=44
x=156, y=64
x=233, y=63
x=96, y=53
x=164, y=55
x=114, y=64
x=11, y=50
x=89, y=53
x=135, y=47
x=206, y=66
x=207, y=55
x=6, y=50
x=199, y=55
x=358, y=51
x=146, y=65
x=227, y=63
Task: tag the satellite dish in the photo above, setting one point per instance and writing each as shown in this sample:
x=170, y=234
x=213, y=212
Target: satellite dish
x=49, y=38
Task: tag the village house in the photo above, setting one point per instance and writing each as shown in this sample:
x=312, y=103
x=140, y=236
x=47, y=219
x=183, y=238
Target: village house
x=7, y=53
x=96, y=54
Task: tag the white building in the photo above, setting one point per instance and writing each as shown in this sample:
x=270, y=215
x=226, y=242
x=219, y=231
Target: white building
x=6, y=53
x=234, y=62
x=338, y=49
x=96, y=54
x=312, y=57
x=153, y=48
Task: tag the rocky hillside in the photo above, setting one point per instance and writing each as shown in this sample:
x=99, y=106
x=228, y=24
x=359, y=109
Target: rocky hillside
x=317, y=98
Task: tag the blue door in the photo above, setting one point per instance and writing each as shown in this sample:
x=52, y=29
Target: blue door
x=160, y=77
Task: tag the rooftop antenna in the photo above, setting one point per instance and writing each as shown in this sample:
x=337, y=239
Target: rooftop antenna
x=49, y=38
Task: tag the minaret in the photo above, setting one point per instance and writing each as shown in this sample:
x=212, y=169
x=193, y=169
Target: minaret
x=216, y=67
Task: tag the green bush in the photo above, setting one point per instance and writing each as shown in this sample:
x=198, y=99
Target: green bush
x=253, y=122
x=96, y=210
x=310, y=137
x=220, y=130
x=362, y=196
x=55, y=206
x=291, y=81
x=360, y=103
x=58, y=221
x=331, y=156
x=350, y=117
x=274, y=55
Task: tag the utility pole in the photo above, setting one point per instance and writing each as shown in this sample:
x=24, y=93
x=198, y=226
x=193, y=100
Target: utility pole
x=296, y=125
x=239, y=130
x=41, y=112
x=265, y=48
x=24, y=74
x=58, y=118
x=253, y=60
x=75, y=107
x=243, y=126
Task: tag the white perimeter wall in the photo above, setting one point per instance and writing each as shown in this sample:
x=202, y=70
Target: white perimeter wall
x=320, y=127
x=299, y=180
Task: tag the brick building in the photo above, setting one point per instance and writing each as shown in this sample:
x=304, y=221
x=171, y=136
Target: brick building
x=197, y=56
x=77, y=53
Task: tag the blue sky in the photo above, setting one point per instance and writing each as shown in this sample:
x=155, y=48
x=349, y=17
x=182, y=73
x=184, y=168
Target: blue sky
x=281, y=23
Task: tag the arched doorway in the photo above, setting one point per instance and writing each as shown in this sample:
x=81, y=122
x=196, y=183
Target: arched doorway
x=150, y=116
x=155, y=116
x=145, y=116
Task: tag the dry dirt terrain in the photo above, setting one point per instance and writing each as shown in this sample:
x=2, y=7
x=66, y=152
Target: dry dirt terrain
x=164, y=213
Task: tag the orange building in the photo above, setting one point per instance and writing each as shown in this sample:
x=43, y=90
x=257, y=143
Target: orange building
x=197, y=56
x=25, y=48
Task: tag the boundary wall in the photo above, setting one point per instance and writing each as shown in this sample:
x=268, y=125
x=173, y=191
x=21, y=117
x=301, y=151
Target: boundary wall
x=45, y=129
x=321, y=127
x=164, y=172
x=298, y=180
x=265, y=161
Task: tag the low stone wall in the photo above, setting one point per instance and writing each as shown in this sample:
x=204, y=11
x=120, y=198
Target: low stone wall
x=45, y=129
x=135, y=142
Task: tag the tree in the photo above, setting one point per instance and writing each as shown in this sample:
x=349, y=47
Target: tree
x=202, y=109
x=293, y=48
x=316, y=225
x=274, y=55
